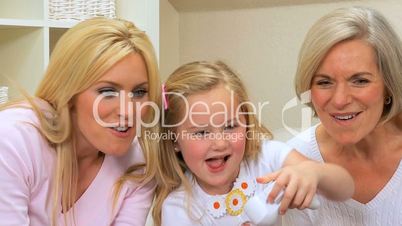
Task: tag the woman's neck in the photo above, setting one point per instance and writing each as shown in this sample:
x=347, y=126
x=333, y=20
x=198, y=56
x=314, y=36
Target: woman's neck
x=85, y=151
x=88, y=168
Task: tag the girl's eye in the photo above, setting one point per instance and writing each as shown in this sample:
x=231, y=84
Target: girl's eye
x=231, y=126
x=201, y=133
x=108, y=92
x=138, y=93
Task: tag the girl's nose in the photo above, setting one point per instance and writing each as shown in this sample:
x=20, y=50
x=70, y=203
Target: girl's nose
x=220, y=143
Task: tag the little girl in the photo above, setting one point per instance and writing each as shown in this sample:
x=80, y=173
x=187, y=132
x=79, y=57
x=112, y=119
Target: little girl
x=209, y=167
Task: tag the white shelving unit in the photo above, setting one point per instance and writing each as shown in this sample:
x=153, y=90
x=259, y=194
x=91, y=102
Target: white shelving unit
x=27, y=36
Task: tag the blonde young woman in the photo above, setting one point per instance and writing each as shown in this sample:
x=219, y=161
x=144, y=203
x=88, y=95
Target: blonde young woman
x=210, y=165
x=69, y=155
x=351, y=61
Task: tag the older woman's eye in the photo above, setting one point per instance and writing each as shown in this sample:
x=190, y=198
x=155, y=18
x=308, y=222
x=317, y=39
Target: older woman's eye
x=323, y=83
x=361, y=81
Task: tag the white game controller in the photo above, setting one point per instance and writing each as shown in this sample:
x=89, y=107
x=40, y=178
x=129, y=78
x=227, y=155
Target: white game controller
x=260, y=212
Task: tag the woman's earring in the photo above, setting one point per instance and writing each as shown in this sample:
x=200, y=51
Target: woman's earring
x=176, y=149
x=388, y=100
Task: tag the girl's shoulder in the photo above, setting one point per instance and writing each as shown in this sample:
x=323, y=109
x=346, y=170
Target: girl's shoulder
x=176, y=197
x=184, y=207
x=272, y=150
x=270, y=158
x=273, y=145
x=175, y=203
x=181, y=193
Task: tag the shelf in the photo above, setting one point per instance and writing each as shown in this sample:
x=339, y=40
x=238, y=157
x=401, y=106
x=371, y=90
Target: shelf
x=54, y=36
x=62, y=23
x=6, y=23
x=28, y=36
x=21, y=54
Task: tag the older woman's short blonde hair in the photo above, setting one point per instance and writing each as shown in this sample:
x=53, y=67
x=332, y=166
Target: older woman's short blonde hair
x=354, y=23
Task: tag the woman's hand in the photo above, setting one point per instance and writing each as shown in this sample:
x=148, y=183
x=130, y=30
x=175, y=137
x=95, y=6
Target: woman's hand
x=299, y=183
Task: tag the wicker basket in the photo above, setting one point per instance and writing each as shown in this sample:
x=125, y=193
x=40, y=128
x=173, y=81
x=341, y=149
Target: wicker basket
x=3, y=94
x=81, y=9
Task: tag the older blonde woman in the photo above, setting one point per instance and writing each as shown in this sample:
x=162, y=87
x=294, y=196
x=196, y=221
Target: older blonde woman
x=351, y=61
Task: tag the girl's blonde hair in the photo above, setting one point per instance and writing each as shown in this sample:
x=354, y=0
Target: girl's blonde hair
x=348, y=24
x=189, y=79
x=80, y=58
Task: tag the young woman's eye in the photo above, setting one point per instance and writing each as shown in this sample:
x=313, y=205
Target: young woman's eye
x=108, y=92
x=138, y=93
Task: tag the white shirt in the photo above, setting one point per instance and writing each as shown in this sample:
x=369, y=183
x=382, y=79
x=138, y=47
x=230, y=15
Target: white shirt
x=27, y=165
x=178, y=209
x=384, y=209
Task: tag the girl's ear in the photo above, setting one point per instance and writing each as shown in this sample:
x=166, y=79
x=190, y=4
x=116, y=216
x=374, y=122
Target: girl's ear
x=176, y=149
x=176, y=146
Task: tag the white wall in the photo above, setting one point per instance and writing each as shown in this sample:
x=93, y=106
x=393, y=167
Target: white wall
x=144, y=14
x=169, y=38
x=261, y=44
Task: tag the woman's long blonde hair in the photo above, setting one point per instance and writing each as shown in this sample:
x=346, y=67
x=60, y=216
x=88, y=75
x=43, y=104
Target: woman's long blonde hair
x=80, y=58
x=189, y=79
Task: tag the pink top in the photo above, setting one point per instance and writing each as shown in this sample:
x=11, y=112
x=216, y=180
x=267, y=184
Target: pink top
x=27, y=164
